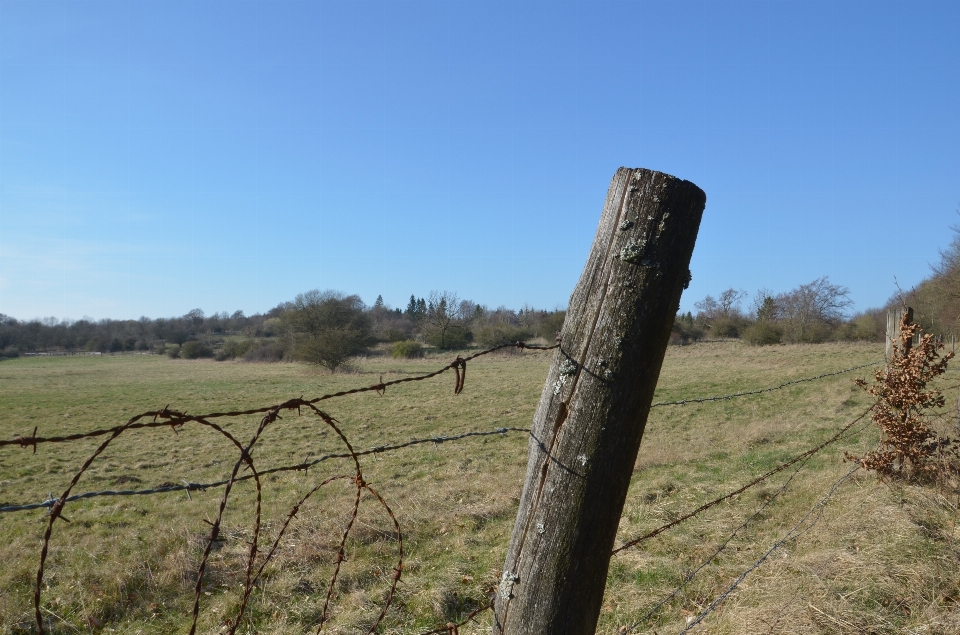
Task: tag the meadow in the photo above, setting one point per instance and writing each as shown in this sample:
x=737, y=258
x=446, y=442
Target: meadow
x=876, y=558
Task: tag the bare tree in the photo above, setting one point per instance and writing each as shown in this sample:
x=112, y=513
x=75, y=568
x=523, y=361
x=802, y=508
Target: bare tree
x=729, y=302
x=443, y=323
x=811, y=310
x=725, y=306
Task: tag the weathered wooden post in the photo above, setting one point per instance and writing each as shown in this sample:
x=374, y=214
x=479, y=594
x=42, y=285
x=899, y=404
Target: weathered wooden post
x=894, y=318
x=587, y=429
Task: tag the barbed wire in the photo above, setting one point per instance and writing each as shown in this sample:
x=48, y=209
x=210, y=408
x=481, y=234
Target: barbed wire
x=794, y=533
x=253, y=572
x=706, y=561
x=257, y=558
x=745, y=393
x=702, y=508
x=453, y=629
x=299, y=467
x=176, y=419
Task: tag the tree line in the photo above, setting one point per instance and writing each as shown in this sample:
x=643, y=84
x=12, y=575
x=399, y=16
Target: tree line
x=319, y=327
x=818, y=311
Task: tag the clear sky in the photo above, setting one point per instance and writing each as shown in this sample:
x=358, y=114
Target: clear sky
x=157, y=157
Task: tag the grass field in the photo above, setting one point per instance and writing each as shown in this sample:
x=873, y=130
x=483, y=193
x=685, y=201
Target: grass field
x=880, y=559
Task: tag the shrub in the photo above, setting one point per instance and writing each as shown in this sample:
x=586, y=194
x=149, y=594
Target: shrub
x=393, y=335
x=861, y=328
x=502, y=333
x=452, y=339
x=326, y=328
x=173, y=351
x=550, y=325
x=195, y=350
x=685, y=331
x=725, y=327
x=232, y=349
x=763, y=333
x=271, y=352
x=407, y=349
x=9, y=352
x=908, y=447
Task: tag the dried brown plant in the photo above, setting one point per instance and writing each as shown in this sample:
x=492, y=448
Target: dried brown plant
x=908, y=446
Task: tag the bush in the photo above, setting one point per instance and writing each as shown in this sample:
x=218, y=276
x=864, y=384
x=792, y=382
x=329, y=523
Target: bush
x=232, y=349
x=685, y=331
x=393, y=335
x=407, y=349
x=271, y=352
x=195, y=350
x=861, y=328
x=763, y=333
x=452, y=339
x=498, y=333
x=326, y=328
x=173, y=351
x=550, y=325
x=725, y=327
x=9, y=352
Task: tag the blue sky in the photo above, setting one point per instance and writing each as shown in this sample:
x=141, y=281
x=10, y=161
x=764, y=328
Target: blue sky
x=157, y=157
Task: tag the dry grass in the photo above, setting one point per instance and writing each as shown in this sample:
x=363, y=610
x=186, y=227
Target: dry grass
x=882, y=559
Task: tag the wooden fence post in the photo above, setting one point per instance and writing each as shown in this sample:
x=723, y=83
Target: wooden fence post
x=587, y=429
x=894, y=318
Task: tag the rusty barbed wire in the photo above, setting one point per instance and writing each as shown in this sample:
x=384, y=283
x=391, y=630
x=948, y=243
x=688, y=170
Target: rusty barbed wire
x=177, y=419
x=299, y=467
x=244, y=460
x=702, y=508
x=453, y=629
x=745, y=393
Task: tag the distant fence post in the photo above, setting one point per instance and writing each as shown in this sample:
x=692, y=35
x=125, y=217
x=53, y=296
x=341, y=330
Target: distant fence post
x=587, y=429
x=894, y=318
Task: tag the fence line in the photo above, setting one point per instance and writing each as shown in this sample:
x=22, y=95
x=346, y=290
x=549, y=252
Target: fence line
x=689, y=577
x=176, y=419
x=300, y=467
x=800, y=457
x=258, y=559
x=683, y=402
x=33, y=440
x=245, y=460
x=795, y=532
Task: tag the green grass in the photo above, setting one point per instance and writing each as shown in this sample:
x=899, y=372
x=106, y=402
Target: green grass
x=882, y=559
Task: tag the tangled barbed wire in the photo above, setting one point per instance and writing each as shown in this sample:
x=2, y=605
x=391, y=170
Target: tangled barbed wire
x=257, y=558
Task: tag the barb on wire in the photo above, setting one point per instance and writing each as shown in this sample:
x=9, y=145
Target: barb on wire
x=453, y=629
x=174, y=419
x=800, y=457
x=794, y=533
x=299, y=467
x=745, y=393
